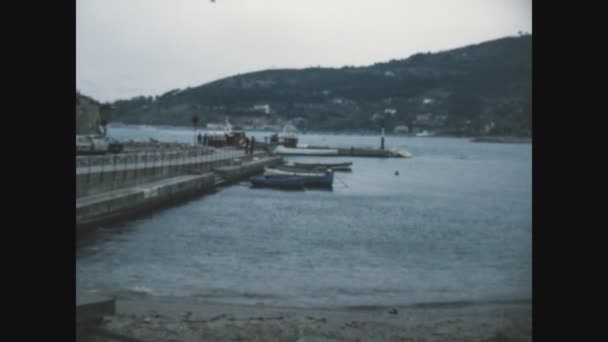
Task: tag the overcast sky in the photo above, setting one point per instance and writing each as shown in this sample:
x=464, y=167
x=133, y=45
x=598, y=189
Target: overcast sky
x=126, y=48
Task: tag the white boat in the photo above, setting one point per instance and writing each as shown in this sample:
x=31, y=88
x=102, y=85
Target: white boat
x=402, y=153
x=282, y=150
x=323, y=178
x=424, y=134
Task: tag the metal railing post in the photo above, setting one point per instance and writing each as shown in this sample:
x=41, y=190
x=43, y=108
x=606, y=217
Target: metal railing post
x=88, y=173
x=102, y=167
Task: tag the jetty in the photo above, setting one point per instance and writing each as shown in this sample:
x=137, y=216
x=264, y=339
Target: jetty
x=111, y=188
x=150, y=175
x=325, y=151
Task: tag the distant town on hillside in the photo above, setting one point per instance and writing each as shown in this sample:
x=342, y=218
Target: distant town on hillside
x=482, y=89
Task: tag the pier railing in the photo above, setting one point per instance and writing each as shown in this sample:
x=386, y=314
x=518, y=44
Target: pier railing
x=96, y=174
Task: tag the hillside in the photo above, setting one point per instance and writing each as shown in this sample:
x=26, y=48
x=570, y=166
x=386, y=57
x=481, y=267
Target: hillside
x=482, y=89
x=87, y=115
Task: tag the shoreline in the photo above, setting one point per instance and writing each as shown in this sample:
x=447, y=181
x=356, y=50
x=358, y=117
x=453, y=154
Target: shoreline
x=373, y=133
x=181, y=319
x=504, y=140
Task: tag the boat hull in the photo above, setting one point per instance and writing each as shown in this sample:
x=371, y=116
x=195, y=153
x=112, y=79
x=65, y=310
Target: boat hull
x=292, y=169
x=283, y=182
x=324, y=166
x=325, y=179
x=278, y=172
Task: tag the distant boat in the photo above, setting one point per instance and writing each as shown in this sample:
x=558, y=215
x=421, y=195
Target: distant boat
x=281, y=150
x=323, y=166
x=287, y=182
x=424, y=134
x=401, y=153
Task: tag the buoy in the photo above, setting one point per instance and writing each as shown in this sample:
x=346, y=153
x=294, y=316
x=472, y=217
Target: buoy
x=397, y=173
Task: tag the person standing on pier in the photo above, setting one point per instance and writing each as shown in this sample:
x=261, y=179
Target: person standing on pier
x=200, y=138
x=252, y=143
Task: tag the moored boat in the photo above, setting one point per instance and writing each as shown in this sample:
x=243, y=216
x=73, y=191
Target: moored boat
x=311, y=178
x=286, y=182
x=285, y=171
x=291, y=168
x=334, y=166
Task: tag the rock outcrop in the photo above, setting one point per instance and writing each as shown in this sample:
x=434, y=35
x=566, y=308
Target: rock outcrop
x=88, y=115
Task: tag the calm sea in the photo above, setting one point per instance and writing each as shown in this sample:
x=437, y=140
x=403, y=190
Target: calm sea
x=453, y=226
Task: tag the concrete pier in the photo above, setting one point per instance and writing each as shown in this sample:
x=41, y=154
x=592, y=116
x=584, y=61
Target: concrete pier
x=339, y=151
x=235, y=172
x=108, y=206
x=116, y=204
x=371, y=152
x=353, y=152
x=95, y=175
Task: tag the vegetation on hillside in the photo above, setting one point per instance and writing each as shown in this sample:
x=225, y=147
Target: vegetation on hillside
x=483, y=89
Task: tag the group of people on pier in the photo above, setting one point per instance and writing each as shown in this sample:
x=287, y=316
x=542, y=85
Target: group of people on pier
x=226, y=140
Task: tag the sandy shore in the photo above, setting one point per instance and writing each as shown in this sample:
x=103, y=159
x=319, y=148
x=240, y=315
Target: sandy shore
x=158, y=319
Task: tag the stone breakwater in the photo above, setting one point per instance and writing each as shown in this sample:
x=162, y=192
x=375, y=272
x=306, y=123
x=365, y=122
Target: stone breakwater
x=102, y=200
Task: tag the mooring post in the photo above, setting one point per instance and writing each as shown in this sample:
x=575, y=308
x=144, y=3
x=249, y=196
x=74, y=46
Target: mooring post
x=382, y=138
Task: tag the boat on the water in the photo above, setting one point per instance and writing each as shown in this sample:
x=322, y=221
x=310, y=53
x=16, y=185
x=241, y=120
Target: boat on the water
x=293, y=169
x=311, y=178
x=282, y=150
x=289, y=171
x=424, y=134
x=323, y=166
x=285, y=182
x=401, y=153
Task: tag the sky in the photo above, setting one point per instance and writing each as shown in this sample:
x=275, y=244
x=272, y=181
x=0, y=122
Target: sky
x=127, y=48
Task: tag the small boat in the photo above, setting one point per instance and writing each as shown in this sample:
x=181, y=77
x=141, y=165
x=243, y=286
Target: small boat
x=287, y=171
x=424, y=134
x=294, y=169
x=286, y=182
x=334, y=166
x=401, y=153
x=311, y=178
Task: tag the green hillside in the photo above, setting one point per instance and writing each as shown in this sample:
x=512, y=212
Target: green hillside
x=483, y=89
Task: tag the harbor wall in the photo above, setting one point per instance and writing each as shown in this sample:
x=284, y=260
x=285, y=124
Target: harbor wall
x=121, y=203
x=92, y=183
x=236, y=172
x=141, y=198
x=98, y=174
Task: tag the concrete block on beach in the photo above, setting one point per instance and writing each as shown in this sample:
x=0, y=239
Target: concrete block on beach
x=91, y=307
